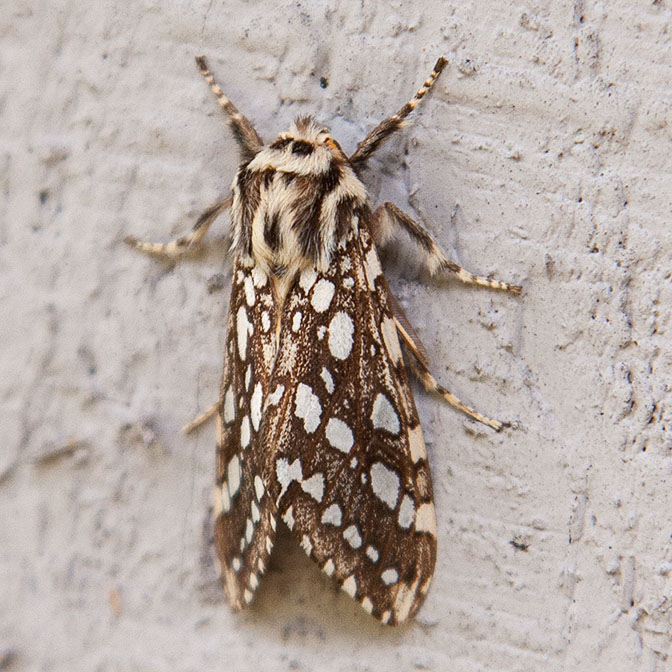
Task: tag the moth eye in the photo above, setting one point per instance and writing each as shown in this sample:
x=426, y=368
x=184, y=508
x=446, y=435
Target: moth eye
x=333, y=144
x=302, y=148
x=281, y=143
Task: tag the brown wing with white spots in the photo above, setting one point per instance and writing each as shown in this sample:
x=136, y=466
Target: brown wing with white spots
x=349, y=469
x=245, y=513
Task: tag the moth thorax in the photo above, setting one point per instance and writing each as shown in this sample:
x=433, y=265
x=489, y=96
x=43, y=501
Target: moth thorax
x=291, y=209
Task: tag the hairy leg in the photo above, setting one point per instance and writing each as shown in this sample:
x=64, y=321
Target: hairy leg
x=202, y=417
x=189, y=243
x=389, y=214
x=431, y=385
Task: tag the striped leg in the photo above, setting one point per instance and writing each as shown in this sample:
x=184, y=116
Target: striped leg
x=431, y=385
x=243, y=130
x=392, y=124
x=407, y=333
x=202, y=417
x=189, y=243
x=388, y=214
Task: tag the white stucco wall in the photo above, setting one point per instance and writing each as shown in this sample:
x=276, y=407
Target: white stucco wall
x=543, y=156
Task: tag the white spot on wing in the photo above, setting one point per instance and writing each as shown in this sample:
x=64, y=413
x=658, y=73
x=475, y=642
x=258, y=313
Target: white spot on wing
x=321, y=331
x=425, y=520
x=332, y=515
x=248, y=376
x=308, y=407
x=243, y=329
x=259, y=277
x=245, y=432
x=265, y=321
x=296, y=320
x=328, y=567
x=287, y=473
x=258, y=487
x=385, y=484
x=341, y=329
x=389, y=331
x=406, y=512
x=229, y=406
x=249, y=291
x=372, y=553
x=350, y=585
x=372, y=267
x=306, y=544
x=405, y=599
x=390, y=576
x=368, y=605
x=233, y=475
x=249, y=530
x=328, y=380
x=274, y=398
x=226, y=500
x=307, y=279
x=236, y=564
x=256, y=514
x=352, y=536
x=255, y=406
x=289, y=517
x=384, y=416
x=314, y=486
x=247, y=596
x=416, y=444
x=322, y=295
x=339, y=435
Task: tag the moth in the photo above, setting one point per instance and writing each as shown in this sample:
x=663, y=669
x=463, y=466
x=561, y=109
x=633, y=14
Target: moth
x=317, y=426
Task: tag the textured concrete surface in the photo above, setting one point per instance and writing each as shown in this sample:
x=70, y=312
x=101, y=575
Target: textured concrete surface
x=543, y=156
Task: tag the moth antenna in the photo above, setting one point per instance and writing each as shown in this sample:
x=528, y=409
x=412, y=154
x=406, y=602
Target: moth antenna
x=243, y=130
x=392, y=124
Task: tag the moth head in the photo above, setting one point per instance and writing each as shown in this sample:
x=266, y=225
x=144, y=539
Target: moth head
x=305, y=137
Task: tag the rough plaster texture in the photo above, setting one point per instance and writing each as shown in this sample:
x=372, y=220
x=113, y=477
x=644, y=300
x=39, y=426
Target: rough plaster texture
x=543, y=156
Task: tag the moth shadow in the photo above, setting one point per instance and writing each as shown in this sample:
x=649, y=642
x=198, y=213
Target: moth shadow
x=297, y=596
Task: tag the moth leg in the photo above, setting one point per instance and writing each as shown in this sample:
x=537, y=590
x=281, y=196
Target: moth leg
x=202, y=417
x=243, y=130
x=431, y=385
x=189, y=243
x=407, y=333
x=392, y=124
x=388, y=214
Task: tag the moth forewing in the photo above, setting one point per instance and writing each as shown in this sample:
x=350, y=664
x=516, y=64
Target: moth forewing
x=346, y=461
x=245, y=514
